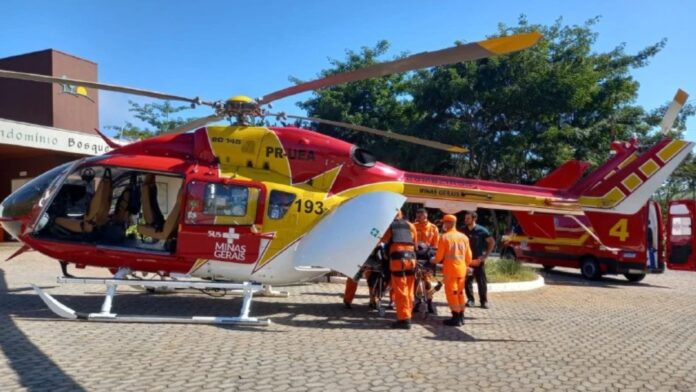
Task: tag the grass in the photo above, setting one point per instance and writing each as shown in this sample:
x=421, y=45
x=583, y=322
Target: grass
x=507, y=270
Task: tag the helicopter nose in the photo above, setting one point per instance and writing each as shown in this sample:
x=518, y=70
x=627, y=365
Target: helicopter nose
x=11, y=217
x=17, y=208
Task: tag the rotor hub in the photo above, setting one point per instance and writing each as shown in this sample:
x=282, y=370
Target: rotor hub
x=240, y=107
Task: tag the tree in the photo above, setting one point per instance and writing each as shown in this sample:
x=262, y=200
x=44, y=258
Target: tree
x=525, y=113
x=159, y=116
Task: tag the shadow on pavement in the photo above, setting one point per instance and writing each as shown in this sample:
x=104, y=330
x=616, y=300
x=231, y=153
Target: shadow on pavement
x=330, y=315
x=36, y=371
x=567, y=278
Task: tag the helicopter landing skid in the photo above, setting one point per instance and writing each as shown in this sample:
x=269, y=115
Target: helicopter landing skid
x=105, y=314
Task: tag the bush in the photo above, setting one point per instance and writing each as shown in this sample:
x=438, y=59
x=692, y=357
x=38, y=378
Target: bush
x=508, y=270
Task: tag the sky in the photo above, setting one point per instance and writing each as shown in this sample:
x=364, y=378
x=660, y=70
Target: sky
x=218, y=49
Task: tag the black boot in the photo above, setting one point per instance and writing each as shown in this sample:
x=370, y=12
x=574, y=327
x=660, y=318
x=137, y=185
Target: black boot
x=401, y=324
x=452, y=322
x=431, y=307
x=461, y=318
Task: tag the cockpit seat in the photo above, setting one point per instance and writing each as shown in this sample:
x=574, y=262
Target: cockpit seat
x=169, y=228
x=98, y=212
x=121, y=212
x=148, y=199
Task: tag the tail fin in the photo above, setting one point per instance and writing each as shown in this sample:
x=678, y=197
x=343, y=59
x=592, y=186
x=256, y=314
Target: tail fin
x=627, y=185
x=565, y=176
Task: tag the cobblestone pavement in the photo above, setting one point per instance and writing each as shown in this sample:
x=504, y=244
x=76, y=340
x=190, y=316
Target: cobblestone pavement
x=569, y=335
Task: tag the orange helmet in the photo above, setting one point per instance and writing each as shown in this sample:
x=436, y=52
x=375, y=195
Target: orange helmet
x=449, y=218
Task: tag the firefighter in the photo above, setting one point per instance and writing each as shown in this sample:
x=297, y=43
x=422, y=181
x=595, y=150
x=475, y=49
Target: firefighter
x=401, y=237
x=482, y=243
x=372, y=265
x=454, y=253
x=427, y=239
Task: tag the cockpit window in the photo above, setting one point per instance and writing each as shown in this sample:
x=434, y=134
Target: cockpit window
x=23, y=199
x=362, y=157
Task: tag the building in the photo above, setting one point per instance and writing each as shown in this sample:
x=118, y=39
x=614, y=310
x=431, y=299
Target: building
x=43, y=125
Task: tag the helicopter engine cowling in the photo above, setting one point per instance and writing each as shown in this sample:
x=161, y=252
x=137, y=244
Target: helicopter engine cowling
x=363, y=220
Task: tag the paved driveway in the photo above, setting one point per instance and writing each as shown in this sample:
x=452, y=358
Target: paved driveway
x=571, y=334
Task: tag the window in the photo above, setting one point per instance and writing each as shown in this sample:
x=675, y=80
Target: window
x=681, y=226
x=221, y=204
x=279, y=203
x=226, y=200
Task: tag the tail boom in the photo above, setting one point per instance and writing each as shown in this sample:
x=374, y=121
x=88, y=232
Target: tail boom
x=452, y=194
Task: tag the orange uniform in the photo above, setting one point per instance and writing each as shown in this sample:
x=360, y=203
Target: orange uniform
x=427, y=233
x=349, y=293
x=352, y=288
x=455, y=254
x=402, y=264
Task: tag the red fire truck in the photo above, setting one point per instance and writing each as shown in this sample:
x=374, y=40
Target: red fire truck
x=575, y=244
x=601, y=243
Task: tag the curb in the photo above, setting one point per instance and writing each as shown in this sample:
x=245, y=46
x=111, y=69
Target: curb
x=515, y=286
x=492, y=287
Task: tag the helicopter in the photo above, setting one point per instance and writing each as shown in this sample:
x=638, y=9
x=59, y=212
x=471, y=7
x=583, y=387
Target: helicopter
x=257, y=206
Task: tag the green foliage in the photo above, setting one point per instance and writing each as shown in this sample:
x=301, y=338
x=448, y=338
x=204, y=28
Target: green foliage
x=528, y=112
x=159, y=116
x=507, y=270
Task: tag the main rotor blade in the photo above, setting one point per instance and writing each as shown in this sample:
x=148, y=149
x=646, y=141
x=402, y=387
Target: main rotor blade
x=387, y=134
x=459, y=53
x=197, y=123
x=673, y=110
x=98, y=86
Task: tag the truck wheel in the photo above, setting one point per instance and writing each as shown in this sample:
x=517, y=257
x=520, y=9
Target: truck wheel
x=509, y=254
x=589, y=268
x=548, y=267
x=634, y=277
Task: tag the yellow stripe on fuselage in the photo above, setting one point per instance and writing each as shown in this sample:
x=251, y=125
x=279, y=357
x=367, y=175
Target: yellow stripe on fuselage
x=480, y=196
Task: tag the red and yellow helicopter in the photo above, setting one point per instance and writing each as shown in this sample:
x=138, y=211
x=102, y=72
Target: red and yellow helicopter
x=268, y=205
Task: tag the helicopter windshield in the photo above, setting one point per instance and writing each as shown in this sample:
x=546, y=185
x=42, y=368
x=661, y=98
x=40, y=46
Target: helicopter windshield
x=20, y=203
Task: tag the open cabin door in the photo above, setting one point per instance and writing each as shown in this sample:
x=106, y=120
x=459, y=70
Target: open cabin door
x=655, y=237
x=220, y=219
x=680, y=235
